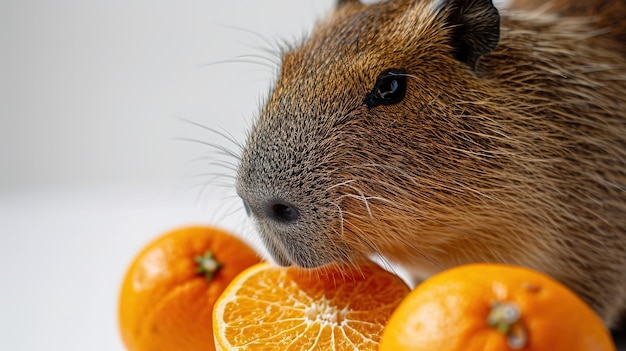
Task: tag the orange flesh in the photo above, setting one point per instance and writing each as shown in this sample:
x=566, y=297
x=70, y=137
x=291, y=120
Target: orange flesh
x=272, y=308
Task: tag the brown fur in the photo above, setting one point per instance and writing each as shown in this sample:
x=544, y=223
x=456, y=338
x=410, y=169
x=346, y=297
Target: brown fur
x=522, y=160
x=608, y=14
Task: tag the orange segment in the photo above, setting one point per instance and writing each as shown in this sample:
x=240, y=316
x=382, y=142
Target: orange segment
x=273, y=308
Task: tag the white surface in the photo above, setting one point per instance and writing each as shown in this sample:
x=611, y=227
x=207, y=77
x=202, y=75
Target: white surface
x=90, y=93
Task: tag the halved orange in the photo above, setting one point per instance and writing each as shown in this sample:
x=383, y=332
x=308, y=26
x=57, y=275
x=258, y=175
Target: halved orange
x=275, y=308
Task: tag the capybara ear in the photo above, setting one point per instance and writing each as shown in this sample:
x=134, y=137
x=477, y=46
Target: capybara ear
x=474, y=25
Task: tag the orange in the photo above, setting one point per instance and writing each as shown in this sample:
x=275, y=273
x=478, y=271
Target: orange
x=492, y=307
x=276, y=308
x=167, y=295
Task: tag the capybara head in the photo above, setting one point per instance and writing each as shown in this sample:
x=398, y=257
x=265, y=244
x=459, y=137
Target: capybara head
x=438, y=132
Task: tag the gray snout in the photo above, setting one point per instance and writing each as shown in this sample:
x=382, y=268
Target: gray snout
x=291, y=233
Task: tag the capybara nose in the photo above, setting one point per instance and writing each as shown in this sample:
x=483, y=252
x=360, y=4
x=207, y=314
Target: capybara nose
x=281, y=211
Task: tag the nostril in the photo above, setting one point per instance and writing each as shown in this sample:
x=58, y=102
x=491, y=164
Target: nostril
x=281, y=211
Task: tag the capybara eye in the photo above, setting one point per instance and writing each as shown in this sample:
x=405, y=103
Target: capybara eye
x=390, y=88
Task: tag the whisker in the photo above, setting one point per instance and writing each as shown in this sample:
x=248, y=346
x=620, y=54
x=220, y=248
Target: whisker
x=370, y=245
x=213, y=181
x=185, y=187
x=341, y=234
x=427, y=218
x=224, y=150
x=420, y=252
x=339, y=184
x=203, y=188
x=443, y=224
x=212, y=161
x=273, y=63
x=365, y=242
x=213, y=175
x=361, y=196
x=238, y=60
x=394, y=189
x=385, y=262
x=223, y=133
x=268, y=43
x=232, y=211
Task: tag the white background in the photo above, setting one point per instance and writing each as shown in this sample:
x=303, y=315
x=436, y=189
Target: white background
x=91, y=93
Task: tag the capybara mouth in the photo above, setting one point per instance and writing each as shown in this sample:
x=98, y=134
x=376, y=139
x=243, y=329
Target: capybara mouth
x=287, y=252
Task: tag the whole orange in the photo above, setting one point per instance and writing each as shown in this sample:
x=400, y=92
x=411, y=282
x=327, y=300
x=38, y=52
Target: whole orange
x=167, y=295
x=493, y=307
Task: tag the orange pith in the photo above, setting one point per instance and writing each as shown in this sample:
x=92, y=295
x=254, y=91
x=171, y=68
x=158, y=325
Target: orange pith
x=274, y=308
